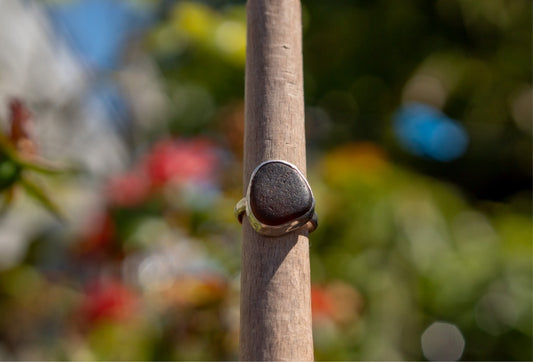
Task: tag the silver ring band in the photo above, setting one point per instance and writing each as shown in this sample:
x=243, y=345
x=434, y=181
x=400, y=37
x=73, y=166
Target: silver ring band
x=278, y=200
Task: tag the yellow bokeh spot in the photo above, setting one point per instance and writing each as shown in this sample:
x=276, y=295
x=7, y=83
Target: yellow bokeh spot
x=214, y=31
x=230, y=38
x=195, y=20
x=363, y=161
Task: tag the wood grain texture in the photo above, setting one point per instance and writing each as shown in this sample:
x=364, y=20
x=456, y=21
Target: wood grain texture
x=275, y=281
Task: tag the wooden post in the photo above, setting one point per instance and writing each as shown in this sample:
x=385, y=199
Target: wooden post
x=275, y=281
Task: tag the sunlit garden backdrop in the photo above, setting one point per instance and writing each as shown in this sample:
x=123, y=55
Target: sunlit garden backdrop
x=120, y=163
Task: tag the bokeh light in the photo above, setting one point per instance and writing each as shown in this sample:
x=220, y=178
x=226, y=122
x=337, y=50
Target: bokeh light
x=442, y=342
x=425, y=131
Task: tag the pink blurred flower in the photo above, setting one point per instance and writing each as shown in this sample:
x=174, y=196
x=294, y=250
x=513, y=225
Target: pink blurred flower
x=169, y=161
x=180, y=161
x=128, y=189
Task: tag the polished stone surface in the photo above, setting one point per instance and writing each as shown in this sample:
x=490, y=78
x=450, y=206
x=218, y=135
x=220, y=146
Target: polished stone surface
x=279, y=194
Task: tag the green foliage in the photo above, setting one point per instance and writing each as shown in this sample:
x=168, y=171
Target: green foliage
x=417, y=253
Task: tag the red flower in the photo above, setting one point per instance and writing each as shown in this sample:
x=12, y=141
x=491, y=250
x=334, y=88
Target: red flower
x=108, y=300
x=322, y=303
x=180, y=161
x=20, y=119
x=128, y=189
x=99, y=234
x=169, y=161
x=336, y=301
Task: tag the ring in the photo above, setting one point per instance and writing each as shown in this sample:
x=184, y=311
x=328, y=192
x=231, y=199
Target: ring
x=278, y=200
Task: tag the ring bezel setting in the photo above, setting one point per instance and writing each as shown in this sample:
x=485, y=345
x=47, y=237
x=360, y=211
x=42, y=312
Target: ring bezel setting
x=306, y=217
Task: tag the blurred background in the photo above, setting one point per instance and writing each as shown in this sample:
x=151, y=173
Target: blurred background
x=121, y=127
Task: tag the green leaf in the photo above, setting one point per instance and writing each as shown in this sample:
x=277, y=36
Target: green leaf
x=38, y=164
x=9, y=173
x=39, y=195
x=47, y=168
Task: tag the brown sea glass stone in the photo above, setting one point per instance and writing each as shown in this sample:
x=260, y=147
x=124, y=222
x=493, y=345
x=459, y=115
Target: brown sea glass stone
x=279, y=194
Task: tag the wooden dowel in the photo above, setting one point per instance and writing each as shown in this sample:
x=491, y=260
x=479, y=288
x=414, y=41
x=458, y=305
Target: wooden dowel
x=275, y=281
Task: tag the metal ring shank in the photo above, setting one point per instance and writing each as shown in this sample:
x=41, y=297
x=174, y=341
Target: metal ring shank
x=309, y=221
